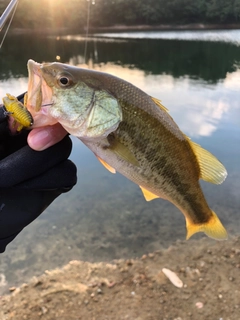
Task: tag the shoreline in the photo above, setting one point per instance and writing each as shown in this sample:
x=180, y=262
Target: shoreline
x=208, y=274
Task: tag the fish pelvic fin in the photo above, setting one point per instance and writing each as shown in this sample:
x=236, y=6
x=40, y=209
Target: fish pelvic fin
x=106, y=165
x=211, y=169
x=213, y=228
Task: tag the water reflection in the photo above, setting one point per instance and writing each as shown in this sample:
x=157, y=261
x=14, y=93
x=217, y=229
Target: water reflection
x=209, y=61
x=229, y=36
x=13, y=86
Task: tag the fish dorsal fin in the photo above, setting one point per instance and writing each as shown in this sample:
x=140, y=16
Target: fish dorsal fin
x=148, y=195
x=211, y=169
x=158, y=103
x=106, y=165
x=212, y=228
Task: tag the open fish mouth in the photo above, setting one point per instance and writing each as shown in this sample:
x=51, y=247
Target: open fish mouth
x=39, y=96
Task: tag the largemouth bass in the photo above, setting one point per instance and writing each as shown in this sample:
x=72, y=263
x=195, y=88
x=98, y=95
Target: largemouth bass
x=129, y=132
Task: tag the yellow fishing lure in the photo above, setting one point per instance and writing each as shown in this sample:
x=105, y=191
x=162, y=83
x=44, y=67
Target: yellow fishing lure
x=22, y=117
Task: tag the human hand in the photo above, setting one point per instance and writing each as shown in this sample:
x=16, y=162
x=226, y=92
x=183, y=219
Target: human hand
x=30, y=180
x=42, y=138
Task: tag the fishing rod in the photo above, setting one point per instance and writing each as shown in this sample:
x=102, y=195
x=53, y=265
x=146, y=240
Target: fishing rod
x=7, y=13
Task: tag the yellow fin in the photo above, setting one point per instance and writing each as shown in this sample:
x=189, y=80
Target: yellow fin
x=123, y=152
x=211, y=169
x=213, y=228
x=107, y=166
x=158, y=103
x=148, y=195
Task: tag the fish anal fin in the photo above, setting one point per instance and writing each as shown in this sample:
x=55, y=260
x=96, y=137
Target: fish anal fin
x=211, y=169
x=106, y=165
x=148, y=195
x=213, y=228
x=158, y=103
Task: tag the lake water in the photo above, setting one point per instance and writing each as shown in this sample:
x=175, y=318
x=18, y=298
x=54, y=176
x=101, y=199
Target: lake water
x=197, y=77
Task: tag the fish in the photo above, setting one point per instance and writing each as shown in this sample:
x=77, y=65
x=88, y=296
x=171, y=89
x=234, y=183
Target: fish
x=129, y=132
x=22, y=118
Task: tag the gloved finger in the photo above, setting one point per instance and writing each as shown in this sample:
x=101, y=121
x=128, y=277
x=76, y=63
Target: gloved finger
x=18, y=209
x=27, y=163
x=3, y=115
x=61, y=177
x=3, y=121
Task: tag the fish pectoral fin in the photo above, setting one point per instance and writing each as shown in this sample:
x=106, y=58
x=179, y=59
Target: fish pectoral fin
x=158, y=103
x=213, y=228
x=148, y=195
x=211, y=169
x=106, y=165
x=124, y=153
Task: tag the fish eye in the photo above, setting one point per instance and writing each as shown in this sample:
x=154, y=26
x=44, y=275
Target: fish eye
x=64, y=81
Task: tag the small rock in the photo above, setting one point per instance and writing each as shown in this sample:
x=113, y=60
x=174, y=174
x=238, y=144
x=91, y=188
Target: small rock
x=129, y=262
x=12, y=289
x=112, y=284
x=44, y=310
x=176, y=281
x=199, y=305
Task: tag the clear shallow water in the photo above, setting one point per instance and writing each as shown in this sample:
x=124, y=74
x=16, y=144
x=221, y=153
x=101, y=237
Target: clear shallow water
x=105, y=216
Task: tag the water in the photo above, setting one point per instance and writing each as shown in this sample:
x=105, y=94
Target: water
x=228, y=36
x=105, y=216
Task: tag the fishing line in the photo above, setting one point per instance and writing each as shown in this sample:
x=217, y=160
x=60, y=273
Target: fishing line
x=5, y=34
x=87, y=31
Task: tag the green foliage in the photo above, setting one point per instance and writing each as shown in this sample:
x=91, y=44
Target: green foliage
x=73, y=14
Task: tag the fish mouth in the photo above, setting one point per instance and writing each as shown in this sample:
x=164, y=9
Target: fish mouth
x=39, y=95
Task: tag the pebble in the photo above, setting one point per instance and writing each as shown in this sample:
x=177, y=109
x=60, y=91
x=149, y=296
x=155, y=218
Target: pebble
x=44, y=310
x=176, y=281
x=3, y=281
x=199, y=305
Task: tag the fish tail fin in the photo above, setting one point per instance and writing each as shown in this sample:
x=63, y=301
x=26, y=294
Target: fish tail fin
x=213, y=228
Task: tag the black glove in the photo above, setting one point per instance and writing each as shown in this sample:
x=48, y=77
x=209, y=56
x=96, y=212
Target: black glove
x=29, y=180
